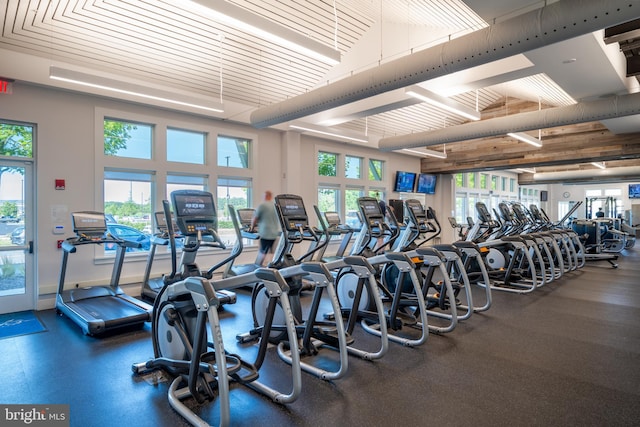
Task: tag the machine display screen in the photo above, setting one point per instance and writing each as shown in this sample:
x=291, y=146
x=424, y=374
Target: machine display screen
x=246, y=216
x=415, y=206
x=483, y=212
x=370, y=207
x=161, y=222
x=89, y=221
x=292, y=207
x=194, y=205
x=332, y=218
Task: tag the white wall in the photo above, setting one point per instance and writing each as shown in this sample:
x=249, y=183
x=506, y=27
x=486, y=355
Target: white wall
x=66, y=144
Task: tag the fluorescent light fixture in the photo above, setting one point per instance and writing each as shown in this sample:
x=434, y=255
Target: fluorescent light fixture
x=245, y=20
x=330, y=132
x=599, y=165
x=526, y=138
x=112, y=85
x=427, y=152
x=525, y=170
x=442, y=102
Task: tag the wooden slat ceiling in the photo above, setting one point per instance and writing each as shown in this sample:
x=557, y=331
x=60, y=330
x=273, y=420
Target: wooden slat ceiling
x=176, y=46
x=565, y=148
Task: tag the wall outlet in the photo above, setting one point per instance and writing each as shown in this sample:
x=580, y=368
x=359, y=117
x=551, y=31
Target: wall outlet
x=60, y=244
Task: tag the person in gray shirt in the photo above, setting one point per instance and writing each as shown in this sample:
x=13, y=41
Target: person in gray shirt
x=266, y=219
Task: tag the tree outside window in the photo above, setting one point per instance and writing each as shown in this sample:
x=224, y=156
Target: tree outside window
x=328, y=199
x=327, y=164
x=127, y=139
x=471, y=180
x=459, y=177
x=375, y=170
x=484, y=181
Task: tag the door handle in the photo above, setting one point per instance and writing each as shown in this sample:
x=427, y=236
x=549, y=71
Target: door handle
x=30, y=246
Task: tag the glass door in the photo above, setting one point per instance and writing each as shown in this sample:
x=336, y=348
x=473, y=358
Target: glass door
x=17, y=289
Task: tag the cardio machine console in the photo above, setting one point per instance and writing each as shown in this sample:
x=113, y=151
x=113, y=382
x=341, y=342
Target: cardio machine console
x=483, y=213
x=292, y=212
x=89, y=225
x=370, y=209
x=161, y=223
x=415, y=208
x=195, y=212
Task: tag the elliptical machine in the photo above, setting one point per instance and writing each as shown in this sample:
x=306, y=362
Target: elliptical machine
x=205, y=238
x=192, y=353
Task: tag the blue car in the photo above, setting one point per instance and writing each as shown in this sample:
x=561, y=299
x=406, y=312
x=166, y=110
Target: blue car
x=17, y=236
x=124, y=232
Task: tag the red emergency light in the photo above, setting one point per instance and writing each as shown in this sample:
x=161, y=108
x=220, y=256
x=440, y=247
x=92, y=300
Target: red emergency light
x=6, y=86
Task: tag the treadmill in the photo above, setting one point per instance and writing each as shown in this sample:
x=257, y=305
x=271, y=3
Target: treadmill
x=98, y=309
x=245, y=218
x=152, y=285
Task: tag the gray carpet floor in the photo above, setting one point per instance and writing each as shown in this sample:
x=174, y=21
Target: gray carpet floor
x=566, y=355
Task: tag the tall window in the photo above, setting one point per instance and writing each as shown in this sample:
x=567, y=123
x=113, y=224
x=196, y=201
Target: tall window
x=376, y=170
x=233, y=152
x=128, y=206
x=127, y=139
x=352, y=167
x=327, y=164
x=185, y=182
x=484, y=181
x=494, y=182
x=237, y=193
x=461, y=208
x=328, y=199
x=459, y=177
x=472, y=200
x=471, y=180
x=185, y=146
x=351, y=196
x=15, y=141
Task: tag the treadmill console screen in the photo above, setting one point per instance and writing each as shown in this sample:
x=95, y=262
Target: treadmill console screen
x=161, y=223
x=333, y=218
x=195, y=211
x=245, y=216
x=89, y=224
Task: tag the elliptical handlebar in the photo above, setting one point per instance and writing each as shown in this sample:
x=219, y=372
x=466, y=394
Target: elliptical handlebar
x=166, y=208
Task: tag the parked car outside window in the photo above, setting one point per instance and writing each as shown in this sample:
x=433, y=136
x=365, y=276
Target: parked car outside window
x=17, y=236
x=124, y=232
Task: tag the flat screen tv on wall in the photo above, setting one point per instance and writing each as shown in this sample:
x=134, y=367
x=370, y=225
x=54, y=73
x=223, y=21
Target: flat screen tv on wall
x=634, y=191
x=426, y=183
x=405, y=182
